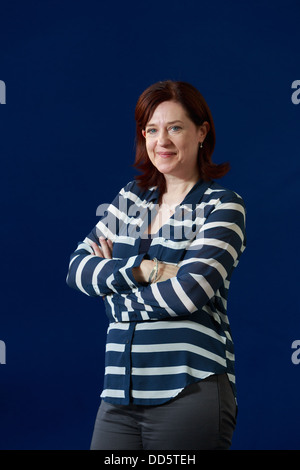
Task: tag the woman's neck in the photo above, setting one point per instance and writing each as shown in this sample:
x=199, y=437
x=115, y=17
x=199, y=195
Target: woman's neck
x=177, y=189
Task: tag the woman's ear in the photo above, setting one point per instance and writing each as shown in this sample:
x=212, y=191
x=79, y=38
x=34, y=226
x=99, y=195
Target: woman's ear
x=144, y=132
x=203, y=129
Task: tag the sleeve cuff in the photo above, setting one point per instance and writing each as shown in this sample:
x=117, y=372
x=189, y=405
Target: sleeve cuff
x=123, y=274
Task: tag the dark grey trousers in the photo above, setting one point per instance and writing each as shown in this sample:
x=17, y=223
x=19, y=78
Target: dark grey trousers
x=202, y=416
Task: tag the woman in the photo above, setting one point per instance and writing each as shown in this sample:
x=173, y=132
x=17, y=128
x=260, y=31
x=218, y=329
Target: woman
x=162, y=257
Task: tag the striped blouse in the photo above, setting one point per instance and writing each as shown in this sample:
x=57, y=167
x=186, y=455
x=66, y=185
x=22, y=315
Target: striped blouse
x=165, y=335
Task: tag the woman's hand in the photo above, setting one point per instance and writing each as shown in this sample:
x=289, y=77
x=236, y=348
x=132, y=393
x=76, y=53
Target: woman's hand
x=106, y=248
x=142, y=272
x=165, y=271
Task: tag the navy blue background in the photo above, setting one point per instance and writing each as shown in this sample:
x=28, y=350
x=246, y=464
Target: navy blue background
x=73, y=72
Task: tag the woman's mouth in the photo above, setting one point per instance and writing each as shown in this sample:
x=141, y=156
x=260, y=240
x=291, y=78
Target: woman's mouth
x=166, y=154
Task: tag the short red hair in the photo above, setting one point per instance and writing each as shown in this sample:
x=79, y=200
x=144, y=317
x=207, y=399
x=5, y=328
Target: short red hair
x=198, y=111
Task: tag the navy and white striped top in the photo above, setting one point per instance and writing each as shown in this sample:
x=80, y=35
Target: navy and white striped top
x=166, y=335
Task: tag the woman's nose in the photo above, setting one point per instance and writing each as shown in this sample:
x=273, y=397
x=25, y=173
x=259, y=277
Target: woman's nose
x=163, y=138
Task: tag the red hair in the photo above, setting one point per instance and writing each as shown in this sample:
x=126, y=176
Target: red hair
x=198, y=111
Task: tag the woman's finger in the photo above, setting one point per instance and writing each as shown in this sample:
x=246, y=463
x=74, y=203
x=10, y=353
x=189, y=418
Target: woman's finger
x=97, y=250
x=105, y=247
x=166, y=271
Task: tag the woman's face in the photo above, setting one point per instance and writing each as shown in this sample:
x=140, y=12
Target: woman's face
x=172, y=140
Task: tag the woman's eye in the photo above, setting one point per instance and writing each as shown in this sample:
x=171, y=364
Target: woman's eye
x=153, y=131
x=174, y=128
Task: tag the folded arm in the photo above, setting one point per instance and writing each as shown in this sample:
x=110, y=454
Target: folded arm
x=182, y=290
x=208, y=261
x=92, y=270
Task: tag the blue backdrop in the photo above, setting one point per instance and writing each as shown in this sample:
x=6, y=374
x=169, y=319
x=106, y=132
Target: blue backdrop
x=73, y=73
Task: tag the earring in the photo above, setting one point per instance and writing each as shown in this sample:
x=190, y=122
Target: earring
x=201, y=145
